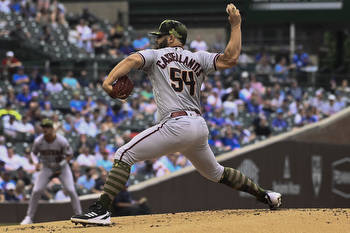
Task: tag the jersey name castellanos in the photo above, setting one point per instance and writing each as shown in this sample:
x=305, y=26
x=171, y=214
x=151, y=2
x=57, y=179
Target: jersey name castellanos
x=176, y=76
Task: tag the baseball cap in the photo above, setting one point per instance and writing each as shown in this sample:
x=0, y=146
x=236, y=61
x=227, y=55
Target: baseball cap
x=331, y=97
x=10, y=54
x=172, y=27
x=46, y=123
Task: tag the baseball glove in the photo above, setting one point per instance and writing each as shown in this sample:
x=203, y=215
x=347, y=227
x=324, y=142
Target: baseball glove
x=122, y=88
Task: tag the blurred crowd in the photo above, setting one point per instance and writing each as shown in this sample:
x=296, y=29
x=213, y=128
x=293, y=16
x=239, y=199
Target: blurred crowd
x=251, y=102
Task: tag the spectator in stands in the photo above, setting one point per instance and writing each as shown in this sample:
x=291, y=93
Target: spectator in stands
x=256, y=86
x=6, y=178
x=10, y=64
x=76, y=104
x=198, y=44
x=263, y=67
x=58, y=13
x=126, y=47
x=344, y=87
x=230, y=106
x=73, y=36
x=29, y=161
x=230, y=139
x=87, y=181
x=261, y=126
x=19, y=34
x=85, y=35
x=116, y=31
x=100, y=181
x=68, y=124
x=85, y=158
x=309, y=117
x=70, y=82
x=24, y=97
x=160, y=169
x=104, y=163
x=124, y=205
x=279, y=123
x=29, y=9
x=20, y=77
x=43, y=4
x=61, y=195
x=254, y=105
x=10, y=194
x=8, y=111
x=36, y=81
x=5, y=6
x=330, y=107
x=141, y=42
x=296, y=90
x=282, y=70
x=25, y=126
x=10, y=127
x=88, y=127
x=301, y=58
x=47, y=35
x=99, y=39
x=85, y=80
x=14, y=160
x=54, y=86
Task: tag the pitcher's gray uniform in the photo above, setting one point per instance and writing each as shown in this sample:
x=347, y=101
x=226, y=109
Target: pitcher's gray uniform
x=176, y=76
x=50, y=155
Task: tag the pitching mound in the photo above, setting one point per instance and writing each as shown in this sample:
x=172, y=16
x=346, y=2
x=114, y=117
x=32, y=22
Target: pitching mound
x=285, y=220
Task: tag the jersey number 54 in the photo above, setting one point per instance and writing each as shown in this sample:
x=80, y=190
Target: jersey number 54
x=179, y=78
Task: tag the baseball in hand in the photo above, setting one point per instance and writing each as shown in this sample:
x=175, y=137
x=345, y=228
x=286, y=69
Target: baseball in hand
x=122, y=88
x=230, y=7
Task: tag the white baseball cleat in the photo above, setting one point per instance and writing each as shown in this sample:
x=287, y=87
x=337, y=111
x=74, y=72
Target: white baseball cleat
x=96, y=215
x=26, y=220
x=273, y=199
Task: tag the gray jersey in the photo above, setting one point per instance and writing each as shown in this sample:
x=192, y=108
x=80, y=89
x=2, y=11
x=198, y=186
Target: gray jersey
x=50, y=154
x=176, y=76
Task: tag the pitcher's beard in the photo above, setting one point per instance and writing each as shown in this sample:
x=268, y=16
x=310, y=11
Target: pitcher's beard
x=163, y=44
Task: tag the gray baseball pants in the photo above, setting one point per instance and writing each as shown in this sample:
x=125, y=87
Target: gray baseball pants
x=42, y=180
x=185, y=134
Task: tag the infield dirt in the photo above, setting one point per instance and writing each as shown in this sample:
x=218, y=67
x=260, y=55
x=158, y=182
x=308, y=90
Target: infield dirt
x=283, y=221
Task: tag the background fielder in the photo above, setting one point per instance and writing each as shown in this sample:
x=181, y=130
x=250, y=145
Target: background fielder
x=176, y=76
x=54, y=152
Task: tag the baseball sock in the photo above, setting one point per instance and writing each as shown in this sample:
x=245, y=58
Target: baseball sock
x=116, y=180
x=236, y=180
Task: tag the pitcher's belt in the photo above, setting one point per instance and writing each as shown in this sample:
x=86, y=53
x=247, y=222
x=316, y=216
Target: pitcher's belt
x=185, y=113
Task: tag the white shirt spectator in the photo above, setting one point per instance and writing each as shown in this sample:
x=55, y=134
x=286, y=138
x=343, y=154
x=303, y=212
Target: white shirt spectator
x=160, y=169
x=86, y=160
x=5, y=6
x=199, y=44
x=54, y=87
x=13, y=162
x=230, y=107
x=61, y=196
x=25, y=127
x=214, y=100
x=88, y=128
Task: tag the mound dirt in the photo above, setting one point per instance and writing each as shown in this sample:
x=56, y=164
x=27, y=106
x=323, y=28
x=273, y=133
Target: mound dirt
x=284, y=220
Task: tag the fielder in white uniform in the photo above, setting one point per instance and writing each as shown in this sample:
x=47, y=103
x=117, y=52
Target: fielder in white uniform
x=54, y=152
x=176, y=75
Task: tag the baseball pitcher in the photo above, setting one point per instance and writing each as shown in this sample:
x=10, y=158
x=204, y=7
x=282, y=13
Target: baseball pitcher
x=176, y=75
x=54, y=153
